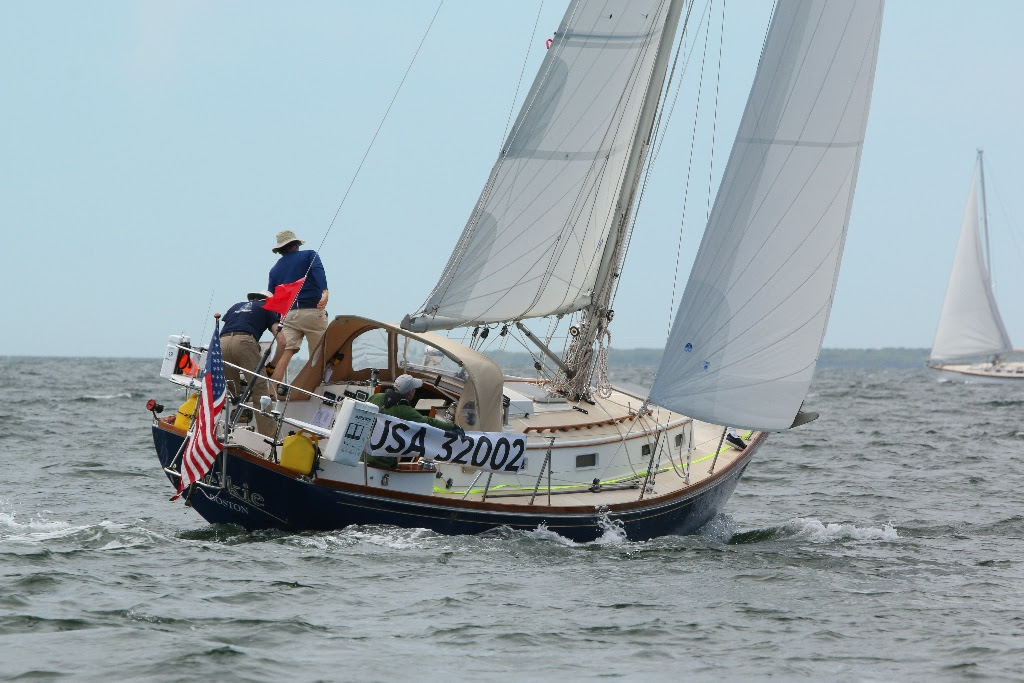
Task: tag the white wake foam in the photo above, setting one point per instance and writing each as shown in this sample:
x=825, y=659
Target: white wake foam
x=613, y=532
x=819, y=532
x=396, y=538
x=12, y=529
x=543, y=533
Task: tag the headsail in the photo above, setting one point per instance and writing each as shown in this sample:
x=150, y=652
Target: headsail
x=533, y=244
x=745, y=340
x=970, y=324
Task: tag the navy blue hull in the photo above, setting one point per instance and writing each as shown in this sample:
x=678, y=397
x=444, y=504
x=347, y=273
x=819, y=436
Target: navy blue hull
x=260, y=495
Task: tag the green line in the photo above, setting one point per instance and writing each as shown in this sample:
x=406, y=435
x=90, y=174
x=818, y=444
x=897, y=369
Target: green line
x=726, y=446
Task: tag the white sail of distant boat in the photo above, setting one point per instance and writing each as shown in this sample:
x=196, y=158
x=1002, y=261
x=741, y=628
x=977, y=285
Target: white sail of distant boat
x=970, y=326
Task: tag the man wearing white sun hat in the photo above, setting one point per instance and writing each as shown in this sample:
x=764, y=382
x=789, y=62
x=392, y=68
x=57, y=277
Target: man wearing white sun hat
x=307, y=317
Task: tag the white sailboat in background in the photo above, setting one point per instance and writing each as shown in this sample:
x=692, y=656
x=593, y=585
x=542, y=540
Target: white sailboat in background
x=547, y=238
x=971, y=339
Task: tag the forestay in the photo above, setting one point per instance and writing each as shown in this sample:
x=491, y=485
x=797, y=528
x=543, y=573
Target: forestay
x=533, y=243
x=749, y=327
x=970, y=324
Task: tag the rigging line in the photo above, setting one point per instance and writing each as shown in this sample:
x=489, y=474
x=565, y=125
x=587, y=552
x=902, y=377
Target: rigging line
x=619, y=446
x=714, y=116
x=512, y=333
x=522, y=71
x=206, y=318
x=807, y=180
x=623, y=234
x=689, y=171
x=377, y=132
x=552, y=328
x=749, y=149
x=701, y=292
x=655, y=135
x=1006, y=216
x=657, y=152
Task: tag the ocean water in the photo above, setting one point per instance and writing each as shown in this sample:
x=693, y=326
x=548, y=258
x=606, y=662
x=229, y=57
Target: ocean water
x=884, y=541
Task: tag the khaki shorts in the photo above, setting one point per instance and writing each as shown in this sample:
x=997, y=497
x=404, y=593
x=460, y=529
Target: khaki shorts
x=310, y=323
x=244, y=351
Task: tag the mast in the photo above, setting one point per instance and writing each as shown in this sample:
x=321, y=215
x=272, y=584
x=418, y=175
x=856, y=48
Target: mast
x=984, y=223
x=984, y=214
x=596, y=315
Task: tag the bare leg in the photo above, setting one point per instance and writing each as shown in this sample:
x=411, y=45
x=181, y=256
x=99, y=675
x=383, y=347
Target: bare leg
x=281, y=371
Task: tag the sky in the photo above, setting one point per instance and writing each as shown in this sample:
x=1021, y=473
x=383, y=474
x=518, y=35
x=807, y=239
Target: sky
x=149, y=152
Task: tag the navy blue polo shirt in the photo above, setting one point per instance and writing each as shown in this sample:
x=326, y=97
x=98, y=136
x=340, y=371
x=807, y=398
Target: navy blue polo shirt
x=251, y=317
x=292, y=266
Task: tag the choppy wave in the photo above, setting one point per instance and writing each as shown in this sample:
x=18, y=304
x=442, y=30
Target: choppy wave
x=105, y=554
x=817, y=532
x=51, y=533
x=32, y=529
x=613, y=533
x=105, y=397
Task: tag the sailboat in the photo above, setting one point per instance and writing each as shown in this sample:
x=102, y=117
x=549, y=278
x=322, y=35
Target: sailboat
x=971, y=341
x=547, y=239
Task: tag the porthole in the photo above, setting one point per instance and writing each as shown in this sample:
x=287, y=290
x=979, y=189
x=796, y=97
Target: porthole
x=586, y=460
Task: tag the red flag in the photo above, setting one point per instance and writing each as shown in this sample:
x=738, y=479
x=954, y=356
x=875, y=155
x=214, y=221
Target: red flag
x=283, y=297
x=203, y=448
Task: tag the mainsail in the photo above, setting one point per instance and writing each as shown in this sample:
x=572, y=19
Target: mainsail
x=533, y=244
x=749, y=328
x=970, y=324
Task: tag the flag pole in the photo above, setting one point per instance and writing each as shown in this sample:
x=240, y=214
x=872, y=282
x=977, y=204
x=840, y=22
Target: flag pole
x=199, y=452
x=257, y=376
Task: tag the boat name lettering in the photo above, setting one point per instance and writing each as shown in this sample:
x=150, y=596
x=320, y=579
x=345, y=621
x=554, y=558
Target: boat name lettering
x=491, y=451
x=243, y=494
x=231, y=506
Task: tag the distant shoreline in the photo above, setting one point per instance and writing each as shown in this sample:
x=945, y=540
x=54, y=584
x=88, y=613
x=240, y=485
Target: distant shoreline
x=866, y=359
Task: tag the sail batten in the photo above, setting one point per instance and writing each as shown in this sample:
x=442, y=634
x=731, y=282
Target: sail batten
x=749, y=327
x=534, y=243
x=970, y=325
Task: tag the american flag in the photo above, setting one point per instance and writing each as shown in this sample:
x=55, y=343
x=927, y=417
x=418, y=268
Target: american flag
x=203, y=447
